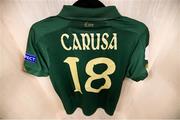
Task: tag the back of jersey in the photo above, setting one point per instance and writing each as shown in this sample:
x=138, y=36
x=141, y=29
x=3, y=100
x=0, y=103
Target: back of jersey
x=87, y=53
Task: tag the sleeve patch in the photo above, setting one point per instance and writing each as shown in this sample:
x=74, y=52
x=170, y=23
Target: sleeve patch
x=30, y=57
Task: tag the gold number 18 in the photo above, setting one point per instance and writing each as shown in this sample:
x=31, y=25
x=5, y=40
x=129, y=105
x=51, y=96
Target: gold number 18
x=93, y=76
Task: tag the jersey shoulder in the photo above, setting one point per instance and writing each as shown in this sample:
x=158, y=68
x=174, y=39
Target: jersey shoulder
x=133, y=25
x=48, y=25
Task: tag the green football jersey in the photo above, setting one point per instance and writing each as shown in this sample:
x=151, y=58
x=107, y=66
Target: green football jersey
x=87, y=53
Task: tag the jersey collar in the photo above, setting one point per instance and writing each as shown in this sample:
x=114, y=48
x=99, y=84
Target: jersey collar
x=79, y=13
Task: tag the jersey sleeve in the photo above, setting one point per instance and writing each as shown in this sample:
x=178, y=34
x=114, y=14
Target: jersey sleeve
x=138, y=67
x=36, y=57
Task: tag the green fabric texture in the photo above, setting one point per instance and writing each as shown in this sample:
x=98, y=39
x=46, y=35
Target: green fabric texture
x=87, y=53
x=136, y=69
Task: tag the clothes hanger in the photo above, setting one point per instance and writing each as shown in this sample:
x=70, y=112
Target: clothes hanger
x=89, y=4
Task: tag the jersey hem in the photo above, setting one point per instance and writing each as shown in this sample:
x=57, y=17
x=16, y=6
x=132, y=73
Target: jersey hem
x=90, y=114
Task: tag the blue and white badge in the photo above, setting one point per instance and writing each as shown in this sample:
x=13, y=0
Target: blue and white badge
x=30, y=57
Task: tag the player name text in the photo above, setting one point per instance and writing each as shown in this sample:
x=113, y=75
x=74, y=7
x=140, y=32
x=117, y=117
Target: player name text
x=89, y=41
